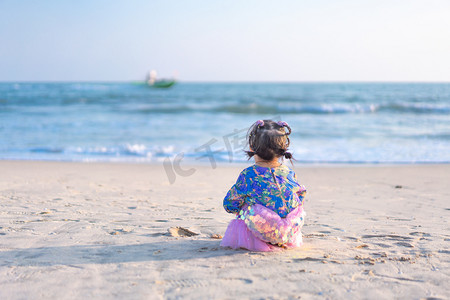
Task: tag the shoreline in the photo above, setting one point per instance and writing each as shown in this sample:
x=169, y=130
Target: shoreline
x=108, y=230
x=194, y=163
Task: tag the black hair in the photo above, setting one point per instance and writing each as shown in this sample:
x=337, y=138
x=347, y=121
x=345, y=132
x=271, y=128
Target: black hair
x=269, y=139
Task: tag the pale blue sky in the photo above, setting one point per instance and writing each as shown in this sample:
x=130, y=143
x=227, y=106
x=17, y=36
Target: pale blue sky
x=316, y=40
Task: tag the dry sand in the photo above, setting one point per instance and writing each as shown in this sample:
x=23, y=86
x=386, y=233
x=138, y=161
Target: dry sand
x=101, y=231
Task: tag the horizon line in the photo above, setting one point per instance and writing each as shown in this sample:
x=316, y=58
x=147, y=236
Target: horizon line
x=228, y=81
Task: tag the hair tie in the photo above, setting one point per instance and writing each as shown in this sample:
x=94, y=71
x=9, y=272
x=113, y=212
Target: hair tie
x=288, y=155
x=282, y=123
x=260, y=123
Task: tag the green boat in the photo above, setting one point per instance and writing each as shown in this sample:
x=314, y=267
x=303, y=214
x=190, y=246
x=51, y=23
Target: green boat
x=158, y=83
x=162, y=83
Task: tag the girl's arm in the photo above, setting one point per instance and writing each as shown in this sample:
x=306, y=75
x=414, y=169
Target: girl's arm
x=235, y=197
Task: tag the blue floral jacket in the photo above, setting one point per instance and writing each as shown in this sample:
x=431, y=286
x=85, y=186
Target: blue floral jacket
x=275, y=188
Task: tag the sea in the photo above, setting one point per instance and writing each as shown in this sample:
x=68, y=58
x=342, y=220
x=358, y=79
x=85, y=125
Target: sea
x=332, y=123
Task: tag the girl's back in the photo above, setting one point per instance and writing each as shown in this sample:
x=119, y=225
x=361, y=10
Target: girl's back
x=275, y=188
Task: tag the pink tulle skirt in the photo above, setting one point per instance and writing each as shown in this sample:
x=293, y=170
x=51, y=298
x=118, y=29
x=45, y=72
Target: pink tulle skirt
x=258, y=228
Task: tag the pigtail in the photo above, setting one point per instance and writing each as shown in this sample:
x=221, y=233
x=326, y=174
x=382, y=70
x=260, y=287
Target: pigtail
x=250, y=154
x=288, y=155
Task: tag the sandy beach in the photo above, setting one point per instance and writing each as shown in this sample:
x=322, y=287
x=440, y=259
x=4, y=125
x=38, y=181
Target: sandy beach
x=109, y=231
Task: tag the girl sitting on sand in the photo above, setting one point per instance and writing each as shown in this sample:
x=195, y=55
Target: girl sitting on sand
x=266, y=198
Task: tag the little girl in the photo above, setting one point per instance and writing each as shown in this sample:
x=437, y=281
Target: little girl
x=266, y=198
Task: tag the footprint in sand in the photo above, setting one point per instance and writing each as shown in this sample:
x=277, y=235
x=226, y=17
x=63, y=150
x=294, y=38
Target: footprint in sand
x=199, y=282
x=419, y=233
x=315, y=234
x=180, y=232
x=383, y=245
x=387, y=236
x=307, y=259
x=157, y=234
x=405, y=244
x=121, y=231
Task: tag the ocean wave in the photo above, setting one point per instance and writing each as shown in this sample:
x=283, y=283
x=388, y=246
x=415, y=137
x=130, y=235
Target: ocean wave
x=177, y=107
x=438, y=108
x=314, y=154
x=138, y=150
x=293, y=108
x=321, y=99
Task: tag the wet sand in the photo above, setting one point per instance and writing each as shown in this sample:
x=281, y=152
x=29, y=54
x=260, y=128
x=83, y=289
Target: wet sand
x=115, y=231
